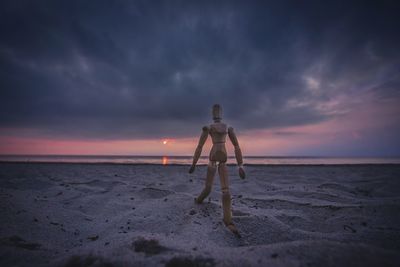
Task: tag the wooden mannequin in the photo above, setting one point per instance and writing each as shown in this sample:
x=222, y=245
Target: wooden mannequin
x=218, y=155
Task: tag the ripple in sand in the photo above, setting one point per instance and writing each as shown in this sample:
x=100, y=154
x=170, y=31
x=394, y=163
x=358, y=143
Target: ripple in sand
x=18, y=242
x=188, y=261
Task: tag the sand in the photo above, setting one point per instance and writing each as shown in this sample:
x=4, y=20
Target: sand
x=144, y=215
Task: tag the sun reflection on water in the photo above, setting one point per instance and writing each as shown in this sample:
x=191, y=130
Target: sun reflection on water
x=164, y=160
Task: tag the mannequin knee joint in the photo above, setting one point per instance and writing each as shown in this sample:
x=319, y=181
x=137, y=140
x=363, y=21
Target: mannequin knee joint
x=225, y=191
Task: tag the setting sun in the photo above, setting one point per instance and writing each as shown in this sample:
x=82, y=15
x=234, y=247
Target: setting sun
x=165, y=142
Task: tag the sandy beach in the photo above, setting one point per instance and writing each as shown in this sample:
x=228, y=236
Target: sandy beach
x=144, y=215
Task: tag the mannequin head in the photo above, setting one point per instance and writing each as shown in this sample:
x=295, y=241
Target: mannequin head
x=217, y=113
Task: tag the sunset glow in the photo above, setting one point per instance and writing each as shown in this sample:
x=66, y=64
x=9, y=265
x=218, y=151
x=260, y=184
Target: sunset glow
x=286, y=88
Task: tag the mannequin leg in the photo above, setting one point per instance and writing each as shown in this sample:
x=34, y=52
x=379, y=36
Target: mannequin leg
x=226, y=198
x=212, y=168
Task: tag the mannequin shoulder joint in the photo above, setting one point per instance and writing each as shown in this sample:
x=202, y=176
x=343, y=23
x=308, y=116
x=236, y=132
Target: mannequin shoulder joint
x=206, y=129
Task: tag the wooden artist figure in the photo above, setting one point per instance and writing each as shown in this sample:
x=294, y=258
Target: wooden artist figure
x=217, y=160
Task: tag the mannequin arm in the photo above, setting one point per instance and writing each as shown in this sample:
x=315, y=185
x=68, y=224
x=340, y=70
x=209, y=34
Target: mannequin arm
x=197, y=153
x=238, y=152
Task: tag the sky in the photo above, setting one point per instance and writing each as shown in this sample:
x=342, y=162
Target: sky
x=294, y=78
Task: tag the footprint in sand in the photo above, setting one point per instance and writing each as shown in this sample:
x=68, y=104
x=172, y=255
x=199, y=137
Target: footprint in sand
x=153, y=193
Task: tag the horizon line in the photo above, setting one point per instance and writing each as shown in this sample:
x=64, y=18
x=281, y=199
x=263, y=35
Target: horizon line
x=204, y=156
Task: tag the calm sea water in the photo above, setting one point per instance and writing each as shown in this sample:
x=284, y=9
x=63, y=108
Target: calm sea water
x=187, y=160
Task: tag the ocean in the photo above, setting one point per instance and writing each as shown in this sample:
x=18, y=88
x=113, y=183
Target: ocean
x=187, y=160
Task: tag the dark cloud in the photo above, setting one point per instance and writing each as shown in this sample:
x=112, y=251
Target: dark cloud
x=126, y=69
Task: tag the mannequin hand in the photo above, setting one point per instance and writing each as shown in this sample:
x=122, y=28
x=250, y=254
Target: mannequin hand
x=242, y=174
x=191, y=170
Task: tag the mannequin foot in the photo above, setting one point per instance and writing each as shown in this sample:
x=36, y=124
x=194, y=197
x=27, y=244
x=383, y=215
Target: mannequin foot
x=197, y=200
x=232, y=228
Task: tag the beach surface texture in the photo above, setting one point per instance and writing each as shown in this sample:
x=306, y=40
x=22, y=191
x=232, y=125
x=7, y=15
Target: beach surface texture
x=145, y=215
